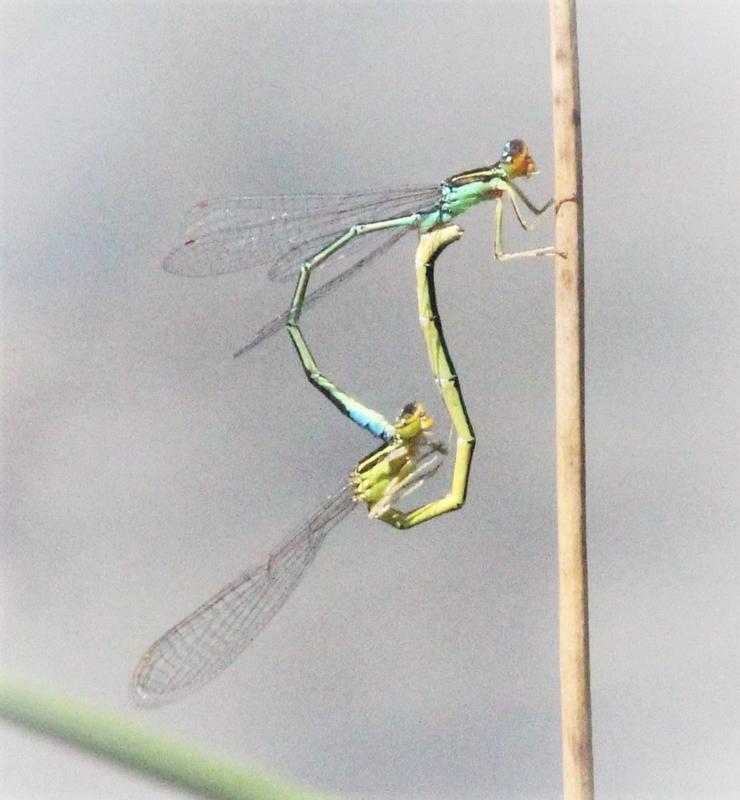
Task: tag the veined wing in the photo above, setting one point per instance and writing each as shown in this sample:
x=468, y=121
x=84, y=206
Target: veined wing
x=368, y=248
x=240, y=233
x=195, y=650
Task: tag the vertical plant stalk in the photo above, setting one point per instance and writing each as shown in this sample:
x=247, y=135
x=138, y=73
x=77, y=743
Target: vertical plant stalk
x=575, y=689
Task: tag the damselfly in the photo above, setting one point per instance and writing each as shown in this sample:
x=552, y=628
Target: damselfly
x=195, y=650
x=285, y=234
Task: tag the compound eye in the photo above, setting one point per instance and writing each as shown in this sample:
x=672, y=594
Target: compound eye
x=512, y=149
x=408, y=410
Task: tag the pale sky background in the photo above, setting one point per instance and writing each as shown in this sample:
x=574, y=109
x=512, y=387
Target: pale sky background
x=143, y=467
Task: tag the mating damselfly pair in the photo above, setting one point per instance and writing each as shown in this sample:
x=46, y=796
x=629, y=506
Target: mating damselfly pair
x=295, y=235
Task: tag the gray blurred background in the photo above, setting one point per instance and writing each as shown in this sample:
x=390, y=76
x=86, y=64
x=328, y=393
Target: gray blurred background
x=143, y=467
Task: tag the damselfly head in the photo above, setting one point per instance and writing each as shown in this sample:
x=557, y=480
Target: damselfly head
x=516, y=160
x=412, y=421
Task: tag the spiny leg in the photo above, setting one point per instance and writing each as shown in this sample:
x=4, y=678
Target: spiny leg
x=430, y=246
x=401, y=465
x=498, y=238
x=365, y=417
x=516, y=190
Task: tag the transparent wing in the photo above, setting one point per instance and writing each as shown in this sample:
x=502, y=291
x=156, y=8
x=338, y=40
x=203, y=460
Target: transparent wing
x=428, y=455
x=240, y=233
x=195, y=650
x=380, y=242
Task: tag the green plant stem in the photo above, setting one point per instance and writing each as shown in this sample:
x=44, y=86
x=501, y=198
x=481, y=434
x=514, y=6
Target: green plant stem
x=107, y=736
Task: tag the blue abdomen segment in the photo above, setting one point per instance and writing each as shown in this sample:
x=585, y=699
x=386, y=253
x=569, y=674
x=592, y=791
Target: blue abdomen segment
x=371, y=421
